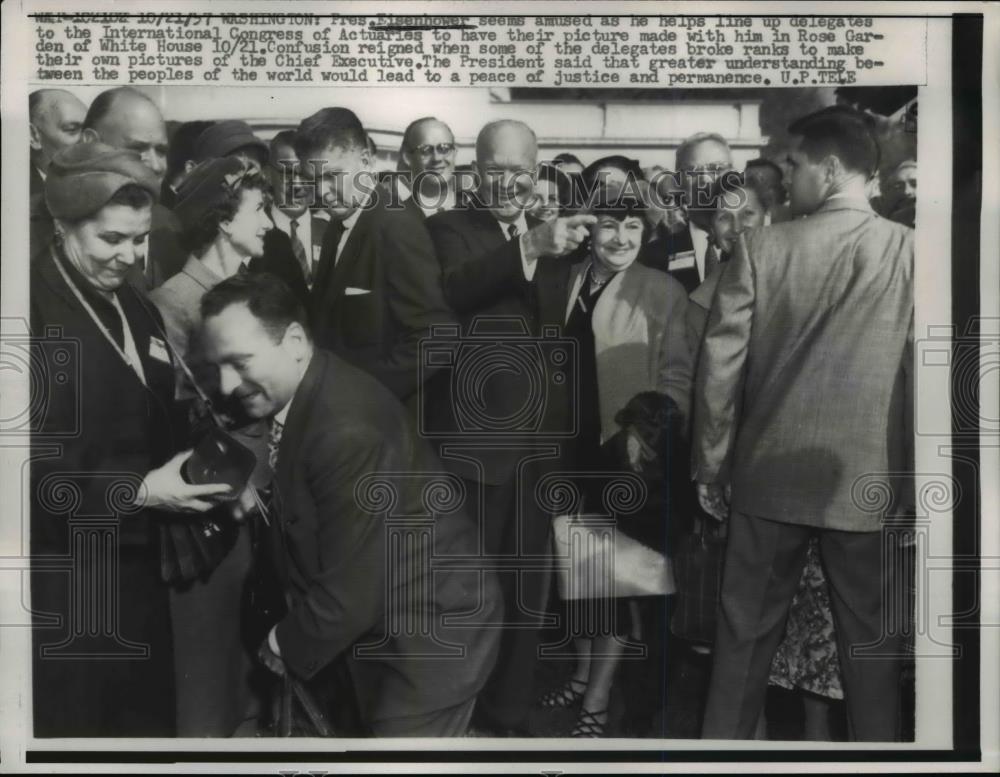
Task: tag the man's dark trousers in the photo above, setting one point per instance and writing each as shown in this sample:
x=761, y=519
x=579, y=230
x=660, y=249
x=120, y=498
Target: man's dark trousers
x=764, y=561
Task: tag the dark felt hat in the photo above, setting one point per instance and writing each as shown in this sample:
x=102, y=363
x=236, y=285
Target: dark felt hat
x=82, y=178
x=225, y=137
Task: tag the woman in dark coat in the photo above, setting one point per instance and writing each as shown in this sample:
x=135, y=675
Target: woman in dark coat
x=106, y=466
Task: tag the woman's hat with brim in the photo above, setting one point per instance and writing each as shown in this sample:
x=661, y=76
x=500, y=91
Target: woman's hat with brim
x=83, y=177
x=211, y=182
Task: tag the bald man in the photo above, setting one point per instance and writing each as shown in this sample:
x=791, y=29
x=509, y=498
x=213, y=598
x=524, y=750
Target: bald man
x=124, y=117
x=488, y=252
x=428, y=153
x=55, y=121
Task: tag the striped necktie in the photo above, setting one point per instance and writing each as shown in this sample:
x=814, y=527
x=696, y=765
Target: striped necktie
x=273, y=443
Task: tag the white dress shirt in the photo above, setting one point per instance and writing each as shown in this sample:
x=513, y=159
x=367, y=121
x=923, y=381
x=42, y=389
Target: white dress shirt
x=522, y=230
x=699, y=241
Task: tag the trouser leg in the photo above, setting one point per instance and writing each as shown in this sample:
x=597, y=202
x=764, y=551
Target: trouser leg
x=860, y=575
x=764, y=560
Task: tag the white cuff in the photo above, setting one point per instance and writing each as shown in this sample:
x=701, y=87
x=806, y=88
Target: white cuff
x=528, y=266
x=272, y=641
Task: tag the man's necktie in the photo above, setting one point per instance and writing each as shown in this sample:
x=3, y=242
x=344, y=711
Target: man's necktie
x=334, y=233
x=512, y=230
x=299, y=250
x=273, y=443
x=711, y=259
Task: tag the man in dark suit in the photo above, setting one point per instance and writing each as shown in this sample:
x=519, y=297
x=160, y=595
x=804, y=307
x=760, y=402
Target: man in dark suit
x=377, y=290
x=355, y=523
x=800, y=408
x=488, y=254
x=689, y=255
x=303, y=227
x=124, y=117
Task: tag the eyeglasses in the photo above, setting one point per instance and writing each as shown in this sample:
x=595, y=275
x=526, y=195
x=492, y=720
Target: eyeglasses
x=442, y=148
x=710, y=169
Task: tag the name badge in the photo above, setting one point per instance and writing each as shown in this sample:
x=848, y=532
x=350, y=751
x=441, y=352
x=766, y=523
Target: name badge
x=158, y=350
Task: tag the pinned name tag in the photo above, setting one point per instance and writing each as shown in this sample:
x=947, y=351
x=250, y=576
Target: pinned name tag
x=158, y=350
x=681, y=261
x=350, y=291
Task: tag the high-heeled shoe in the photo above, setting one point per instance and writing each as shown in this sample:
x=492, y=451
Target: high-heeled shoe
x=567, y=695
x=588, y=726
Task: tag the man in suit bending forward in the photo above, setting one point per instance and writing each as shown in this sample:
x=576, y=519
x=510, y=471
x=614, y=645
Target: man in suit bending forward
x=360, y=530
x=800, y=404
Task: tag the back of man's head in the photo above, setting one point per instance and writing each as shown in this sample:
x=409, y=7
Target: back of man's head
x=842, y=132
x=329, y=127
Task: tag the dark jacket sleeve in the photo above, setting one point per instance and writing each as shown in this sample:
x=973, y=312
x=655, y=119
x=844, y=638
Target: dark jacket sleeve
x=415, y=299
x=474, y=279
x=348, y=597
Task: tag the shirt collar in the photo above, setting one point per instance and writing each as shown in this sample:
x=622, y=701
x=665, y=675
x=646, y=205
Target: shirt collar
x=351, y=220
x=521, y=224
x=282, y=414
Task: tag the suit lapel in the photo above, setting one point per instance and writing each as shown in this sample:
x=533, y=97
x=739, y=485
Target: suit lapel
x=351, y=254
x=574, y=283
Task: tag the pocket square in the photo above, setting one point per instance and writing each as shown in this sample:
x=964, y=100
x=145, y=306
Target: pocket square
x=350, y=291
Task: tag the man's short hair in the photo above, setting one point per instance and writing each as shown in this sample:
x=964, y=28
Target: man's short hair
x=104, y=102
x=688, y=145
x=180, y=150
x=566, y=158
x=841, y=132
x=416, y=124
x=329, y=128
x=283, y=138
x=266, y=296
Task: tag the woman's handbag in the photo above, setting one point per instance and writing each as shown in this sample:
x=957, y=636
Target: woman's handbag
x=698, y=563
x=596, y=560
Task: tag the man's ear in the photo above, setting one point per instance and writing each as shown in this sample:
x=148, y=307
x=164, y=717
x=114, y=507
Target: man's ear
x=833, y=170
x=34, y=138
x=89, y=135
x=296, y=337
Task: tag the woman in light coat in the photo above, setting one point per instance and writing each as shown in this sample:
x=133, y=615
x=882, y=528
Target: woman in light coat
x=628, y=322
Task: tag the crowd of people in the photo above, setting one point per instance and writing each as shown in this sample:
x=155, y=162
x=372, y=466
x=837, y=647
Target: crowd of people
x=738, y=340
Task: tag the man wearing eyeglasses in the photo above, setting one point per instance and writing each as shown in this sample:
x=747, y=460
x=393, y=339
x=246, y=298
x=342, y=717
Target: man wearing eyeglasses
x=701, y=159
x=428, y=152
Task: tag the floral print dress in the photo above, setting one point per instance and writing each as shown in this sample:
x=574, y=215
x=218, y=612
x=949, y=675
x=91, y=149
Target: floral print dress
x=807, y=657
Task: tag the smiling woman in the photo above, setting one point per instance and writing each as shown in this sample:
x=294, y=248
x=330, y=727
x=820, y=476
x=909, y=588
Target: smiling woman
x=117, y=398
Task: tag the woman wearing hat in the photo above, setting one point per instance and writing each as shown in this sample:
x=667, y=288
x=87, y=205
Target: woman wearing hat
x=628, y=322
x=107, y=468
x=222, y=207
